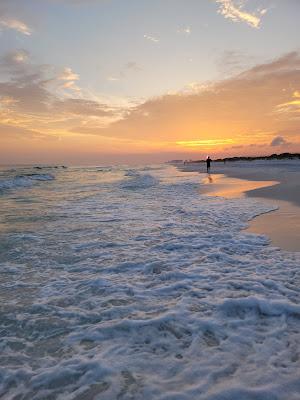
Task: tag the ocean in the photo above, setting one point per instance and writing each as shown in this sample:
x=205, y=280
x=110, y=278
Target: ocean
x=125, y=282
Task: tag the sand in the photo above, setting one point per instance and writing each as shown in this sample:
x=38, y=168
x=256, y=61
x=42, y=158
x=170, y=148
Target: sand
x=277, y=183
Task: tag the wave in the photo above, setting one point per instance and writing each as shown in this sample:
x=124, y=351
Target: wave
x=23, y=181
x=149, y=168
x=138, y=181
x=255, y=305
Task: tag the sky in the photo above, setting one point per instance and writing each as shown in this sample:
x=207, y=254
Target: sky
x=131, y=81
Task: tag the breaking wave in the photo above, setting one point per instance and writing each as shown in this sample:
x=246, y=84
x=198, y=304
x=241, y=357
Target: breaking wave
x=137, y=180
x=23, y=181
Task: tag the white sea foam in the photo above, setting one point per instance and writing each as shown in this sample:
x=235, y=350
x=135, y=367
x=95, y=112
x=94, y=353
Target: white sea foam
x=138, y=180
x=23, y=181
x=151, y=293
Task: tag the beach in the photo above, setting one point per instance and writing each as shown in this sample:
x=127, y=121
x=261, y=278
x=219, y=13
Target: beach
x=276, y=182
x=122, y=282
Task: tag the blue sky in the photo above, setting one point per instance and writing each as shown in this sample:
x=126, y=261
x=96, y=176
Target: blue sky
x=97, y=39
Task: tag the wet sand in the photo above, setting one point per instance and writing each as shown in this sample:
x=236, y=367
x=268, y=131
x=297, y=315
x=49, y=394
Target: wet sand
x=222, y=185
x=281, y=226
x=279, y=187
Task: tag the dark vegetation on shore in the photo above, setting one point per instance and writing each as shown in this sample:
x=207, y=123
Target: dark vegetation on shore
x=282, y=156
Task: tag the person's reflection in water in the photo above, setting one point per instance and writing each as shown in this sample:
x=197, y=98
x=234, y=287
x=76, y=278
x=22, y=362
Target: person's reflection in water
x=210, y=179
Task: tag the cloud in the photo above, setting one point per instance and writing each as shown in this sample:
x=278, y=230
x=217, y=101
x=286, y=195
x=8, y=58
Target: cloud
x=234, y=10
x=26, y=83
x=43, y=98
x=34, y=87
x=279, y=141
x=19, y=132
x=288, y=62
x=133, y=66
x=15, y=24
x=234, y=61
x=113, y=78
x=240, y=108
x=14, y=59
x=68, y=75
x=291, y=107
x=30, y=97
x=84, y=107
x=237, y=111
x=185, y=31
x=129, y=67
x=69, y=78
x=151, y=38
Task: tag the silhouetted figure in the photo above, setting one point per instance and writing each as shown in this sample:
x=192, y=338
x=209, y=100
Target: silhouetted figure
x=208, y=161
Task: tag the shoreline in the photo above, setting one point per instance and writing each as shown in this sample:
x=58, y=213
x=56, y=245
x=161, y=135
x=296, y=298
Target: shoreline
x=278, y=186
x=287, y=177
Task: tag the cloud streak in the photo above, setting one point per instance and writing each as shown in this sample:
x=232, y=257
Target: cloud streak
x=234, y=10
x=151, y=38
x=129, y=67
x=185, y=31
x=69, y=79
x=16, y=25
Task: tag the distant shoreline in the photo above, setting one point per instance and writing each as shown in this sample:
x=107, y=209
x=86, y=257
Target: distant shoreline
x=281, y=156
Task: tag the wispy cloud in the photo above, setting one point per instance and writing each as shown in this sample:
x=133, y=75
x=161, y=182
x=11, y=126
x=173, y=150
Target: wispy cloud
x=83, y=107
x=69, y=75
x=133, y=66
x=15, y=24
x=185, y=31
x=234, y=61
x=69, y=78
x=129, y=67
x=15, y=60
x=291, y=107
x=235, y=10
x=151, y=38
x=113, y=78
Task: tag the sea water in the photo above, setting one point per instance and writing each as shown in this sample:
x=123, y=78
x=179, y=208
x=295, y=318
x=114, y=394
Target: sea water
x=127, y=283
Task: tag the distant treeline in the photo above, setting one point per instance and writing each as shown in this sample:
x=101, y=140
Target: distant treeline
x=282, y=156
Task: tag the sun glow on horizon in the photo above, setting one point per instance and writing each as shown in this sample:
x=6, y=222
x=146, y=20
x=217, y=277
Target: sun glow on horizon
x=205, y=143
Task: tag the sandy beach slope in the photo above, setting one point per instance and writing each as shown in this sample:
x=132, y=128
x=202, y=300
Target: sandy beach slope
x=276, y=182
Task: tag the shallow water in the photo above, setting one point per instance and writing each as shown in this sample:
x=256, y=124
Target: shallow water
x=121, y=283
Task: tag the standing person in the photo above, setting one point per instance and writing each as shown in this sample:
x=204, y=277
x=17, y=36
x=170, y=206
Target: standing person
x=208, y=161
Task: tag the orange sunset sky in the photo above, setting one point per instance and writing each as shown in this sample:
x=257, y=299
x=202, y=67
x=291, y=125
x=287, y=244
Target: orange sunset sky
x=85, y=82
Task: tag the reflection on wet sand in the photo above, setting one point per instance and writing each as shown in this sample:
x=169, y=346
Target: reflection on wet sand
x=231, y=187
x=210, y=179
x=282, y=226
